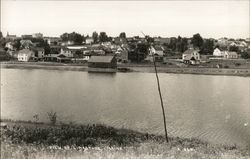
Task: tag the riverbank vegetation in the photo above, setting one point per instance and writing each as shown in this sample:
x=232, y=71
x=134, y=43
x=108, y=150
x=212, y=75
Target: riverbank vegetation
x=39, y=140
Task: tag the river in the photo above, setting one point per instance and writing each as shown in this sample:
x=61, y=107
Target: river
x=212, y=108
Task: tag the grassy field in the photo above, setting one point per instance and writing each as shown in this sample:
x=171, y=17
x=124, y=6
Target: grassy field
x=38, y=140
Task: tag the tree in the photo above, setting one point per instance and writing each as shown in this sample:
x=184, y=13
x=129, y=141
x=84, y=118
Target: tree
x=123, y=35
x=234, y=48
x=172, y=44
x=207, y=47
x=75, y=37
x=197, y=41
x=1, y=35
x=17, y=44
x=95, y=37
x=246, y=54
x=65, y=37
x=103, y=37
x=181, y=44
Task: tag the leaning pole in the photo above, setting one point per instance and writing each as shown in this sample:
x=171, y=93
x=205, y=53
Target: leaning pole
x=162, y=107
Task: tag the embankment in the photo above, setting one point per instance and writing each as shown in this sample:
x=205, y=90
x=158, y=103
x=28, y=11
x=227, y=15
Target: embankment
x=39, y=140
x=131, y=68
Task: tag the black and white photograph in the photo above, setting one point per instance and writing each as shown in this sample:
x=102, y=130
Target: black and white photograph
x=125, y=79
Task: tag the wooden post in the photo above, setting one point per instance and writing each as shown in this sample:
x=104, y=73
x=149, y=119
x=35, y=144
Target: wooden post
x=162, y=107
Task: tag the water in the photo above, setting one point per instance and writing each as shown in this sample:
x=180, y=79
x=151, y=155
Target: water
x=212, y=108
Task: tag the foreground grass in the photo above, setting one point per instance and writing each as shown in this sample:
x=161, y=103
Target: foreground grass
x=30, y=140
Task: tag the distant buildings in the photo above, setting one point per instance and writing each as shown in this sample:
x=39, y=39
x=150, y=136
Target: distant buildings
x=25, y=55
x=27, y=36
x=37, y=35
x=10, y=37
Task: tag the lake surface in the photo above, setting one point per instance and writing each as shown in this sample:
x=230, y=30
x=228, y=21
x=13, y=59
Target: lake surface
x=212, y=108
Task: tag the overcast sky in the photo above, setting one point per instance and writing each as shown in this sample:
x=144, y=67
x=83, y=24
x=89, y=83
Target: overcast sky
x=213, y=19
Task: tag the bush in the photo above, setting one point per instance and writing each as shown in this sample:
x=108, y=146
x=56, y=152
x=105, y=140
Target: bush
x=52, y=117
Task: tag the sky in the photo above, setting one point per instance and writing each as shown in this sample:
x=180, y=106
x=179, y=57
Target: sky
x=212, y=19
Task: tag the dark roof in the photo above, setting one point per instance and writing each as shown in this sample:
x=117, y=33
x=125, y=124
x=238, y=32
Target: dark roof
x=103, y=59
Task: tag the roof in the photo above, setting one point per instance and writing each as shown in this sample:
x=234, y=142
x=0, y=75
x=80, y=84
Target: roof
x=103, y=59
x=158, y=48
x=231, y=53
x=39, y=49
x=190, y=51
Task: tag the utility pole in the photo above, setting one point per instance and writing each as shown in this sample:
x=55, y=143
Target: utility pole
x=159, y=90
x=162, y=107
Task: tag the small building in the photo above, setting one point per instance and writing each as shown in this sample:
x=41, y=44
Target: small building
x=102, y=64
x=57, y=58
x=89, y=41
x=191, y=56
x=25, y=55
x=53, y=40
x=66, y=43
x=37, y=35
x=156, y=50
x=26, y=36
x=161, y=41
x=39, y=52
x=230, y=55
x=55, y=49
x=217, y=52
x=67, y=52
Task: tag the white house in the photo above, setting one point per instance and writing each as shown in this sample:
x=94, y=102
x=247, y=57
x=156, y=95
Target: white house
x=67, y=52
x=156, y=50
x=230, y=55
x=89, y=41
x=217, y=52
x=191, y=56
x=25, y=55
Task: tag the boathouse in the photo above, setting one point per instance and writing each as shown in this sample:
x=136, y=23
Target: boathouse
x=102, y=64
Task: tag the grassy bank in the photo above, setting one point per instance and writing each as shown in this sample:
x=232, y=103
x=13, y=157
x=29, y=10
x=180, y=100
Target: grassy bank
x=39, y=140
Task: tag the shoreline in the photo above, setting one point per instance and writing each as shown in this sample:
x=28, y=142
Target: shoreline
x=33, y=139
x=245, y=72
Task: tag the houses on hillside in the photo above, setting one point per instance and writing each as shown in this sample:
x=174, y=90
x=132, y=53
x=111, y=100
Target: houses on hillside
x=225, y=54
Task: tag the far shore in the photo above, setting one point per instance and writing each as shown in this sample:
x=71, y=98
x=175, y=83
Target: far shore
x=130, y=68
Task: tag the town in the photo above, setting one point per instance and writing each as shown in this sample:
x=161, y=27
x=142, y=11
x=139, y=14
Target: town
x=167, y=51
